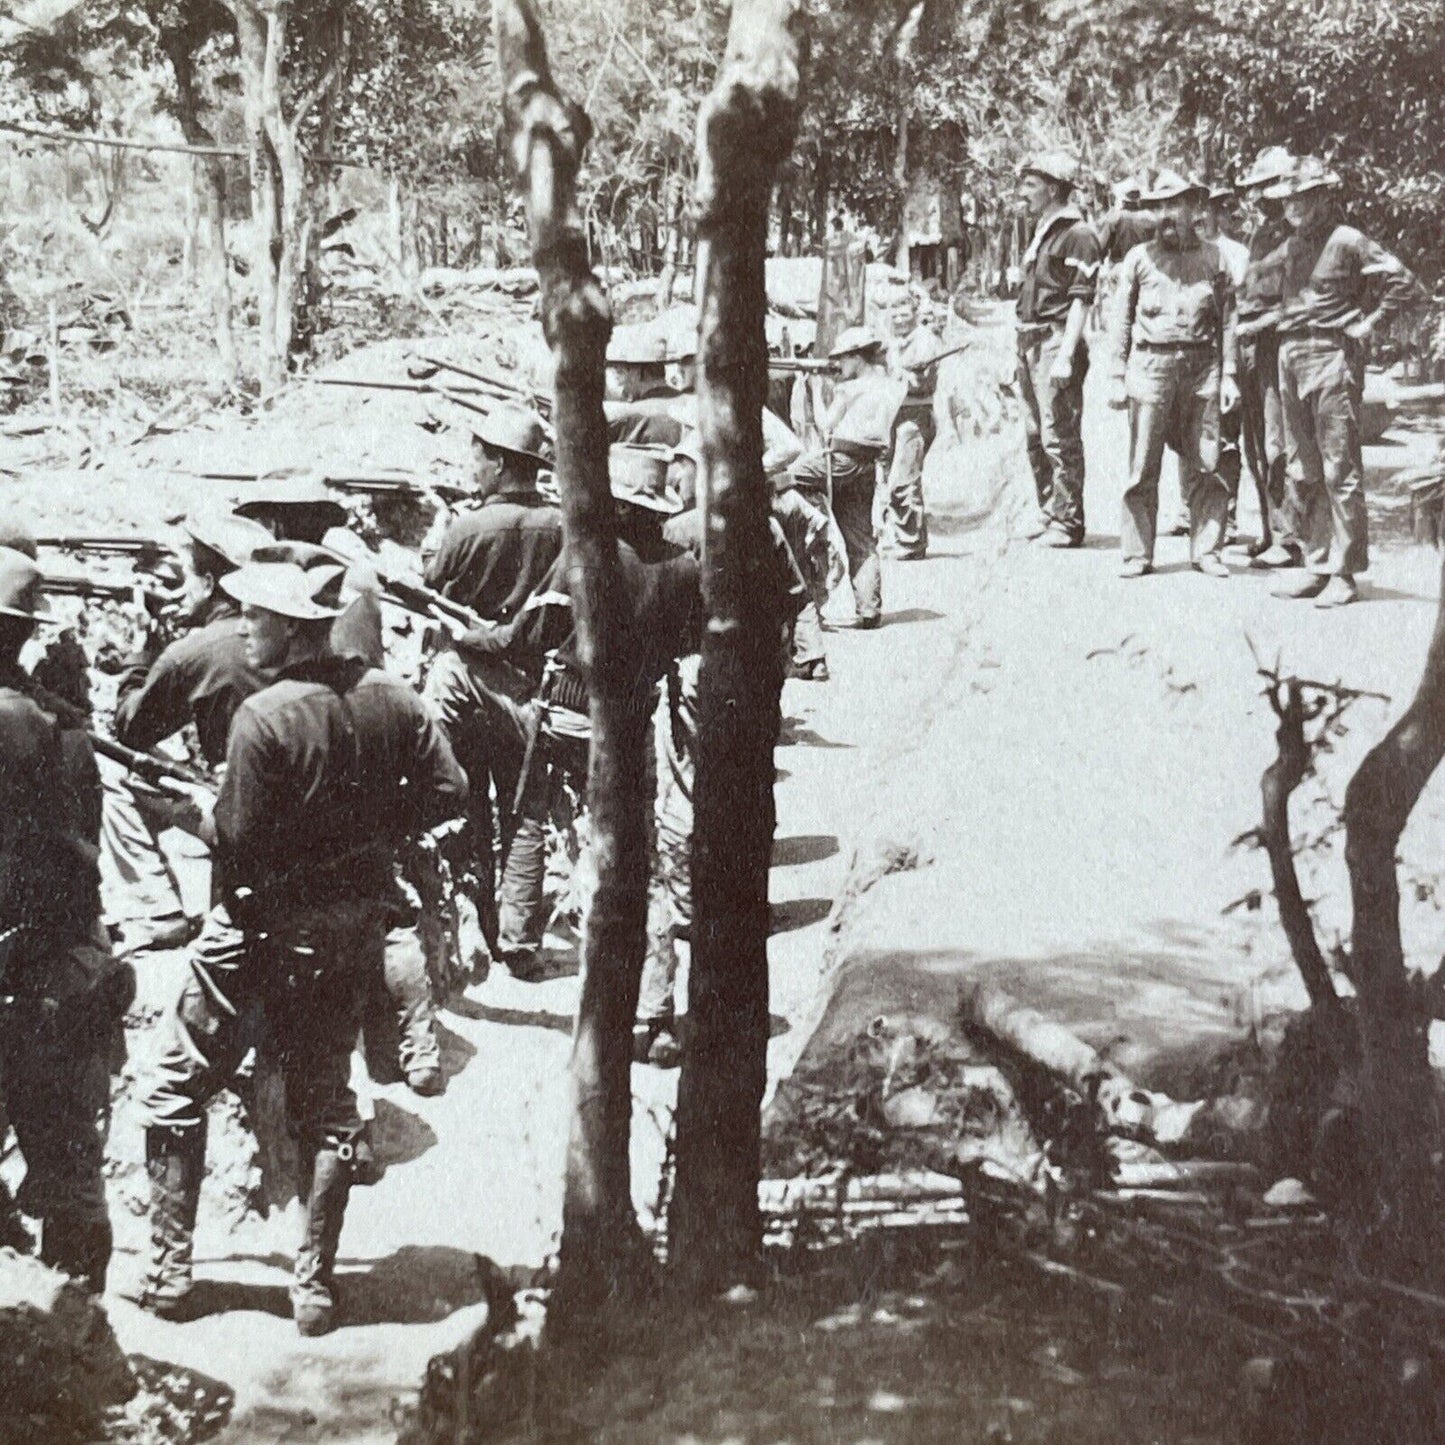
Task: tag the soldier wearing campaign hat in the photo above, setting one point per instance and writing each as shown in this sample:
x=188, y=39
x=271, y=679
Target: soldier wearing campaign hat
x=1336, y=287
x=1257, y=350
x=1173, y=367
x=329, y=771
x=1060, y=271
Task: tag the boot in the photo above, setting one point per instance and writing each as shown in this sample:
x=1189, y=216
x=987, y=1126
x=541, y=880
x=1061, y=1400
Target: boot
x=78, y=1247
x=175, y=1162
x=326, y=1181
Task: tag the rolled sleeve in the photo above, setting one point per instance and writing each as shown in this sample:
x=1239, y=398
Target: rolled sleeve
x=1081, y=257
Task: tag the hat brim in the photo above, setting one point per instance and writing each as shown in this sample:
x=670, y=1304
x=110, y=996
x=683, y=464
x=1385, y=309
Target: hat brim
x=251, y=590
x=252, y=505
x=668, y=503
x=1163, y=198
x=837, y=354
x=492, y=446
x=1288, y=190
x=1049, y=176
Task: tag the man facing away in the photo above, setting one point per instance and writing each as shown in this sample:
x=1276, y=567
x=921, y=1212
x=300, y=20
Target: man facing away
x=1060, y=270
x=1173, y=367
x=329, y=771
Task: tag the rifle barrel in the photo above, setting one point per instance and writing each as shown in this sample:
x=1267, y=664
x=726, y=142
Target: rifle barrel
x=140, y=546
x=147, y=765
x=541, y=403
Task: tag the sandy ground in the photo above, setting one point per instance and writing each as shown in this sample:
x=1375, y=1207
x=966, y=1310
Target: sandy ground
x=1068, y=754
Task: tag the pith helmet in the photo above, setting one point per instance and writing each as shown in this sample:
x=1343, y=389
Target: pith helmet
x=1052, y=166
x=22, y=587
x=517, y=430
x=1170, y=186
x=301, y=490
x=855, y=341
x=307, y=595
x=1311, y=174
x=639, y=475
x=1272, y=165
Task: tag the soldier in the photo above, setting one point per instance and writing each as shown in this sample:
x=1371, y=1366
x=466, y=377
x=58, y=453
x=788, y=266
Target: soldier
x=1257, y=349
x=201, y=678
x=61, y=992
x=493, y=559
x=329, y=770
x=1060, y=269
x=1337, y=286
x=857, y=431
x=1173, y=367
x=300, y=509
x=905, y=520
x=1215, y=219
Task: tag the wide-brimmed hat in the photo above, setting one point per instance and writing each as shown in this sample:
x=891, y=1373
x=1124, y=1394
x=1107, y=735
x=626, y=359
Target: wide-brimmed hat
x=306, y=594
x=515, y=429
x=1271, y=166
x=634, y=344
x=231, y=537
x=1222, y=196
x=1052, y=166
x=22, y=587
x=855, y=341
x=1170, y=186
x=302, y=490
x=638, y=475
x=1128, y=191
x=1310, y=174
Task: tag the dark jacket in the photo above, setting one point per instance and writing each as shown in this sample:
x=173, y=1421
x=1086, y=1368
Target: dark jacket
x=492, y=559
x=329, y=770
x=50, y=804
x=1061, y=266
x=664, y=621
x=202, y=678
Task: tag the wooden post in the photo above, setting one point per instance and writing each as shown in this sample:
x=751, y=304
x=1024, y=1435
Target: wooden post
x=604, y=1259
x=745, y=132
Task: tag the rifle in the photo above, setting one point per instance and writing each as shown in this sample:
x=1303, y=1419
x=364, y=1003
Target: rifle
x=400, y=487
x=145, y=550
x=808, y=365
x=535, y=399
x=105, y=589
x=454, y=394
x=415, y=597
x=154, y=770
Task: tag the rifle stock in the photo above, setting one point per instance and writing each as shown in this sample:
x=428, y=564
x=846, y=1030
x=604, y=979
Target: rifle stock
x=147, y=765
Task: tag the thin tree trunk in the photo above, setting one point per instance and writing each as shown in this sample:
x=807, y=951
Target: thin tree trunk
x=1398, y=1116
x=745, y=132
x=603, y=1254
x=210, y=172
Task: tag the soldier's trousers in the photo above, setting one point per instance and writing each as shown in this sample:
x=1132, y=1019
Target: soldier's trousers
x=398, y=1019
x=1321, y=385
x=806, y=528
x=1053, y=416
x=304, y=988
x=669, y=914
x=1261, y=420
x=905, y=521
x=487, y=720
x=1174, y=401
x=139, y=884
x=854, y=478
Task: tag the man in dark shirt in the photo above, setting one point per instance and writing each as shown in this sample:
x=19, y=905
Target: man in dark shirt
x=492, y=557
x=1336, y=287
x=329, y=771
x=63, y=991
x=201, y=678
x=1060, y=270
x=498, y=688
x=1257, y=349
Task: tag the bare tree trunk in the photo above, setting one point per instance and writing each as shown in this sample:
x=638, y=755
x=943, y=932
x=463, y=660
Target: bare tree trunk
x=210, y=172
x=603, y=1255
x=745, y=132
x=1398, y=1116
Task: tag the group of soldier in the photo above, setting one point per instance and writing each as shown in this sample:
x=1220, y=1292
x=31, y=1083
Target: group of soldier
x=1212, y=341
x=346, y=801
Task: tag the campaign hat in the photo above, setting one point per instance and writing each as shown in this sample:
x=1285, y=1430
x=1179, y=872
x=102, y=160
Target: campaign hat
x=515, y=429
x=1056, y=166
x=304, y=594
x=1311, y=174
x=230, y=536
x=638, y=474
x=636, y=344
x=291, y=489
x=1271, y=166
x=22, y=587
x=854, y=341
x=1169, y=186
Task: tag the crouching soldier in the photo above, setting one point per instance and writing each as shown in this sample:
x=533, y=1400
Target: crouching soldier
x=61, y=992
x=329, y=771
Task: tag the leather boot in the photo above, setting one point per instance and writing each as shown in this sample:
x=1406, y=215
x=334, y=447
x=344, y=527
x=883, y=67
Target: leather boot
x=77, y=1247
x=175, y=1161
x=326, y=1182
